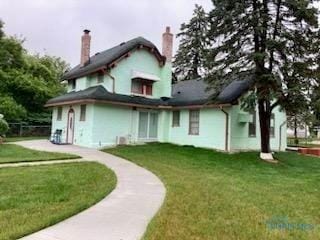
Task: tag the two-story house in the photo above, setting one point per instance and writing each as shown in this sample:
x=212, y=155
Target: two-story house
x=125, y=95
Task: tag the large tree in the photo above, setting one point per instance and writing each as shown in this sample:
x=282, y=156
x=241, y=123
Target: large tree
x=271, y=42
x=189, y=59
x=26, y=81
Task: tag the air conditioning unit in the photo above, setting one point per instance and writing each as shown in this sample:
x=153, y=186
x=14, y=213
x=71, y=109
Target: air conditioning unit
x=121, y=140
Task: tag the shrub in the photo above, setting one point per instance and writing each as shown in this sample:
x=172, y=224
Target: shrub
x=4, y=127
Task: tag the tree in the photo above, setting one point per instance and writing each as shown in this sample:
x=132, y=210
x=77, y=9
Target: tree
x=271, y=42
x=190, y=57
x=27, y=81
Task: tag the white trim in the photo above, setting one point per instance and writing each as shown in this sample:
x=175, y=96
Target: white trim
x=147, y=76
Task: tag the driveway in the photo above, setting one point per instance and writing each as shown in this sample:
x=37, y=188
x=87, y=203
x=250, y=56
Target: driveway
x=123, y=215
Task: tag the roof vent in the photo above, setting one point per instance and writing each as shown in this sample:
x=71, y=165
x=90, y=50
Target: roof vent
x=97, y=53
x=123, y=43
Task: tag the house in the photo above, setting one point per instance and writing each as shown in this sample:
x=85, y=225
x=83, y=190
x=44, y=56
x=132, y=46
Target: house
x=125, y=95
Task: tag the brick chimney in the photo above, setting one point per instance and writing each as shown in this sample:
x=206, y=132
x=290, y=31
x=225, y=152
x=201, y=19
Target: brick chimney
x=167, y=44
x=85, y=47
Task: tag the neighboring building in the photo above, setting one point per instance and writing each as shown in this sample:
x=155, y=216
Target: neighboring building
x=124, y=95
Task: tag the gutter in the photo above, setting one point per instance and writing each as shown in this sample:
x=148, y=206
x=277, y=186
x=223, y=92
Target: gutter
x=227, y=129
x=280, y=133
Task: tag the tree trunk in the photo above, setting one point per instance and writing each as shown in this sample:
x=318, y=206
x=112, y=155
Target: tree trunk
x=264, y=119
x=296, y=141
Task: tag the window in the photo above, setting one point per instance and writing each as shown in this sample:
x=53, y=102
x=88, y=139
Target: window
x=83, y=112
x=72, y=84
x=100, y=77
x=175, y=118
x=194, y=122
x=272, y=125
x=252, y=124
x=59, y=114
x=148, y=89
x=141, y=87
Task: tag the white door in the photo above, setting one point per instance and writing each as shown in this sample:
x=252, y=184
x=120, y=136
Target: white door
x=148, y=126
x=70, y=127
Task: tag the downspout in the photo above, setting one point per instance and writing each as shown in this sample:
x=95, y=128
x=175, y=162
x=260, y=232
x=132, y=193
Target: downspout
x=280, y=133
x=227, y=129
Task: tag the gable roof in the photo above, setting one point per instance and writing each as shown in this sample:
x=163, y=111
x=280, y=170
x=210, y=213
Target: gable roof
x=104, y=59
x=184, y=93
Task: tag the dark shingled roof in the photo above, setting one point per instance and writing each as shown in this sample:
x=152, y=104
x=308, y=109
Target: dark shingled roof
x=194, y=92
x=106, y=57
x=100, y=93
x=184, y=93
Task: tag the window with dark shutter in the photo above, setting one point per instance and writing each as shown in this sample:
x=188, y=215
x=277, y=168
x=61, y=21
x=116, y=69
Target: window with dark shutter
x=83, y=112
x=100, y=77
x=252, y=125
x=175, y=118
x=59, y=114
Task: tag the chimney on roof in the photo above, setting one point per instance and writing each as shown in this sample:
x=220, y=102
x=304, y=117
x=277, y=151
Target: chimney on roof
x=167, y=44
x=85, y=47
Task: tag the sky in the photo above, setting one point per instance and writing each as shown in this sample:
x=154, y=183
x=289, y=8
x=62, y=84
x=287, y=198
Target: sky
x=55, y=27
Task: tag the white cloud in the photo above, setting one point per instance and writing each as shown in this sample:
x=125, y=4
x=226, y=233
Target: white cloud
x=55, y=27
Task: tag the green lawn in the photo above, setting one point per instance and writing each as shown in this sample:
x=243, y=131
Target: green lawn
x=16, y=139
x=32, y=198
x=10, y=153
x=212, y=195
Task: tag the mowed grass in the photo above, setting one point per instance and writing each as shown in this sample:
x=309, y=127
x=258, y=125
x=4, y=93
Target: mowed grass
x=212, y=195
x=17, y=139
x=10, y=153
x=32, y=198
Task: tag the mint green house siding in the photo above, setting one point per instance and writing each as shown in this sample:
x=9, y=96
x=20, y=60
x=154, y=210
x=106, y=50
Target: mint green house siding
x=110, y=122
x=105, y=123
x=211, y=129
x=139, y=60
x=240, y=139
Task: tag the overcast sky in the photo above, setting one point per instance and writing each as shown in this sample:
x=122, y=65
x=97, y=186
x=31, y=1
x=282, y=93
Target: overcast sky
x=55, y=26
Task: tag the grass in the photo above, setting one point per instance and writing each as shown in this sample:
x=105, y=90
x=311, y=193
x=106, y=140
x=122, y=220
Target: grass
x=32, y=198
x=212, y=195
x=16, y=139
x=10, y=153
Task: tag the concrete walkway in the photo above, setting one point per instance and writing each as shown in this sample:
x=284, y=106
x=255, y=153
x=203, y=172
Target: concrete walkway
x=123, y=215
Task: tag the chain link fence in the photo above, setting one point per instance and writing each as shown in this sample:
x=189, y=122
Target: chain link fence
x=25, y=130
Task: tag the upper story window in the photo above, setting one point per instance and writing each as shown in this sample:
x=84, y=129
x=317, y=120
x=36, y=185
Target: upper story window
x=175, y=118
x=253, y=125
x=72, y=84
x=100, y=77
x=59, y=114
x=83, y=109
x=140, y=86
x=272, y=125
x=194, y=117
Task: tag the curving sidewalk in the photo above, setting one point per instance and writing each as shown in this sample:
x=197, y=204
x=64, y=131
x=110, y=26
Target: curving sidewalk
x=123, y=215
